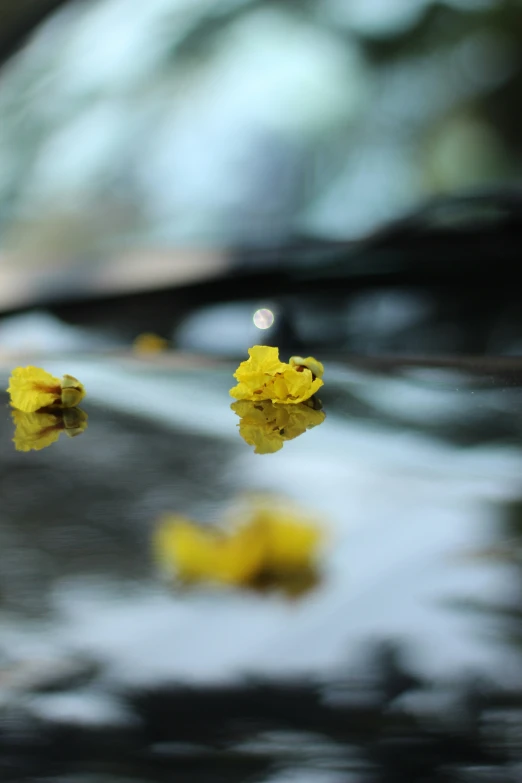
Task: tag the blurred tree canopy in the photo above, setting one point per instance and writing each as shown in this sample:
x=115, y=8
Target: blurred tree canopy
x=248, y=122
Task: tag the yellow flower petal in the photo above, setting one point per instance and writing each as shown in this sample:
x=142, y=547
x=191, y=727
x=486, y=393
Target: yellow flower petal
x=262, y=357
x=278, y=389
x=267, y=425
x=34, y=430
x=269, y=545
x=300, y=385
x=302, y=417
x=264, y=377
x=291, y=543
x=39, y=429
x=261, y=424
x=75, y=421
x=73, y=391
x=202, y=555
x=312, y=364
x=32, y=388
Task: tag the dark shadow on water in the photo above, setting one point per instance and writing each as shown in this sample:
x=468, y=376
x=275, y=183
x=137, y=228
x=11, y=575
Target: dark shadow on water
x=382, y=724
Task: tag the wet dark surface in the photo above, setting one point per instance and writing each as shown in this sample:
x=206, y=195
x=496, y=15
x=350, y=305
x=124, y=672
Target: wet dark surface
x=403, y=664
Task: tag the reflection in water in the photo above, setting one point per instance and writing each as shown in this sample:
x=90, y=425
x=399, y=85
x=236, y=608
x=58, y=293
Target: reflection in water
x=35, y=431
x=265, y=545
x=379, y=723
x=266, y=425
x=264, y=377
x=32, y=389
x=232, y=686
x=502, y=618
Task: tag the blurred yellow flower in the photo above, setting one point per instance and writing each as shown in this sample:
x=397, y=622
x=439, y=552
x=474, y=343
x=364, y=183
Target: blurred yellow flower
x=290, y=541
x=200, y=555
x=267, y=425
x=264, y=377
x=269, y=546
x=37, y=430
x=32, y=388
x=148, y=342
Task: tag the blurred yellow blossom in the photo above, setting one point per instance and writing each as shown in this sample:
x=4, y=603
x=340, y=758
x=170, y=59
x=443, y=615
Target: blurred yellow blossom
x=37, y=430
x=268, y=545
x=148, y=342
x=32, y=388
x=267, y=425
x=199, y=555
x=264, y=377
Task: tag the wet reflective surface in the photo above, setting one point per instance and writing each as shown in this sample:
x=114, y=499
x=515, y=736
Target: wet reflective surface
x=402, y=663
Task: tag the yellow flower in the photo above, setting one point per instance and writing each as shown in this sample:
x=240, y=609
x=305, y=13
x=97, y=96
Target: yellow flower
x=290, y=543
x=264, y=377
x=32, y=388
x=40, y=429
x=148, y=342
x=207, y=555
x=72, y=391
x=266, y=425
x=315, y=367
x=268, y=546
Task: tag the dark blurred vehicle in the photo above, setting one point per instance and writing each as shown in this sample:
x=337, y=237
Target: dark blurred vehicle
x=403, y=661
x=439, y=282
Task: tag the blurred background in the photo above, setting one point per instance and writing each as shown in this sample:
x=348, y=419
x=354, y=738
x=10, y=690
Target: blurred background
x=166, y=143
x=241, y=122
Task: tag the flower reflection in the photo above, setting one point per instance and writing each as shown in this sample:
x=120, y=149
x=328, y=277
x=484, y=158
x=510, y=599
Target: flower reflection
x=32, y=388
x=264, y=377
x=37, y=430
x=268, y=545
x=266, y=425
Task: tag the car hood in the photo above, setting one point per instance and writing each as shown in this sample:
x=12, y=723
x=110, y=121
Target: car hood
x=414, y=475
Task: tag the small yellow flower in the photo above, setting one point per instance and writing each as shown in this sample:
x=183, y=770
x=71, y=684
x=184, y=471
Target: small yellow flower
x=264, y=377
x=148, y=342
x=32, y=388
x=269, y=545
x=266, y=425
x=37, y=430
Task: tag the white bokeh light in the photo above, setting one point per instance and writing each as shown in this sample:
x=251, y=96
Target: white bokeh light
x=263, y=318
